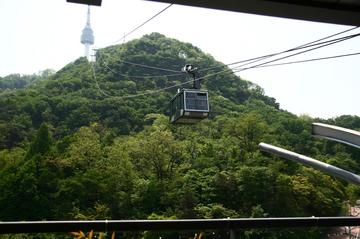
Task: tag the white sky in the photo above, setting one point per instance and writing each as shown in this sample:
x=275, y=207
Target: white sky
x=41, y=34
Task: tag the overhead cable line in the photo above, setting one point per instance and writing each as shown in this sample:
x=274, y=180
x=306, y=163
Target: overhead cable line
x=237, y=69
x=142, y=24
x=149, y=67
x=310, y=60
x=246, y=62
x=210, y=75
x=319, y=44
x=295, y=54
x=139, y=76
x=128, y=96
x=256, y=59
x=312, y=44
x=96, y=81
x=141, y=65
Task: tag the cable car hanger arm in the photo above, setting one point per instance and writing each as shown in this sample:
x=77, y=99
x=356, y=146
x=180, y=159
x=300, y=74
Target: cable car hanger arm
x=191, y=70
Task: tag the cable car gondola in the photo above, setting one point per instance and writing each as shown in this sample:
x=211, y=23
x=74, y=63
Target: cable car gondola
x=189, y=106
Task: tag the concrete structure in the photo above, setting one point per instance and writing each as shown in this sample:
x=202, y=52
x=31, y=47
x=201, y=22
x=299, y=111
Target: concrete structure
x=327, y=168
x=336, y=133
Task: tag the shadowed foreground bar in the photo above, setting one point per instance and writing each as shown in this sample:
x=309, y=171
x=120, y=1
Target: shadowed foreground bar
x=165, y=225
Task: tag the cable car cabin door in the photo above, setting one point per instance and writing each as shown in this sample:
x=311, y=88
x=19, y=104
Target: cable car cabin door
x=189, y=106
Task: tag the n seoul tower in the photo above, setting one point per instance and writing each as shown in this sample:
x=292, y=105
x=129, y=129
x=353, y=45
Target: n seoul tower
x=87, y=37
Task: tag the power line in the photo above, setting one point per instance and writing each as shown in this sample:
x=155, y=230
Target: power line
x=142, y=24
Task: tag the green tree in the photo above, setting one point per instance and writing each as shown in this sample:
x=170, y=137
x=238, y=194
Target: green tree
x=42, y=142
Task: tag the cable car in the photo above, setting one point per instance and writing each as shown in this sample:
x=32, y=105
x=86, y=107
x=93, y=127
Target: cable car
x=189, y=106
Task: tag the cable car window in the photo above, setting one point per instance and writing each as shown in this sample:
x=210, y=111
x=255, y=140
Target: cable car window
x=197, y=101
x=190, y=95
x=190, y=104
x=202, y=105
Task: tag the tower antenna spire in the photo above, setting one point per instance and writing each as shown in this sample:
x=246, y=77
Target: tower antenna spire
x=88, y=16
x=87, y=36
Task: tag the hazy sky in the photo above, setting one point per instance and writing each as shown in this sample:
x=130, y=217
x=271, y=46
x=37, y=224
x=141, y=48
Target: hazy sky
x=41, y=34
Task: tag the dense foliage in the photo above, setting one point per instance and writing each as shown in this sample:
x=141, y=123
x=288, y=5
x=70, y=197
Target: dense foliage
x=73, y=147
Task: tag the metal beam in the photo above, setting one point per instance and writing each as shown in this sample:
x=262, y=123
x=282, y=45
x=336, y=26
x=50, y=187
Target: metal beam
x=174, y=225
x=335, y=171
x=336, y=133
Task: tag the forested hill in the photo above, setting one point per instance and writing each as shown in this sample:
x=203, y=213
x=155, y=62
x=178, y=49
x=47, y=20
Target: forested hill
x=94, y=142
x=75, y=97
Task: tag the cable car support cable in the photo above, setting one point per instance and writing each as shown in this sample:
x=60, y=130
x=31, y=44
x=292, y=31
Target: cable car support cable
x=237, y=69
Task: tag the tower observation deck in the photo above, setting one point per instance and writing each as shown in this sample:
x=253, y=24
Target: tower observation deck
x=87, y=36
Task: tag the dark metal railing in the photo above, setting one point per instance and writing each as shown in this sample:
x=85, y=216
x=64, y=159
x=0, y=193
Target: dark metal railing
x=172, y=225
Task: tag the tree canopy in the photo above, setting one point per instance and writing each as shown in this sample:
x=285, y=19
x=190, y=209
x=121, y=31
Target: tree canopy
x=73, y=145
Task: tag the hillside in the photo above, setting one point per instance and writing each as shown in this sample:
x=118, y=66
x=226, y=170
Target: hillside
x=70, y=98
x=84, y=144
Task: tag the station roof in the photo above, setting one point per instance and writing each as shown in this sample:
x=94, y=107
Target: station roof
x=345, y=12
x=87, y=2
